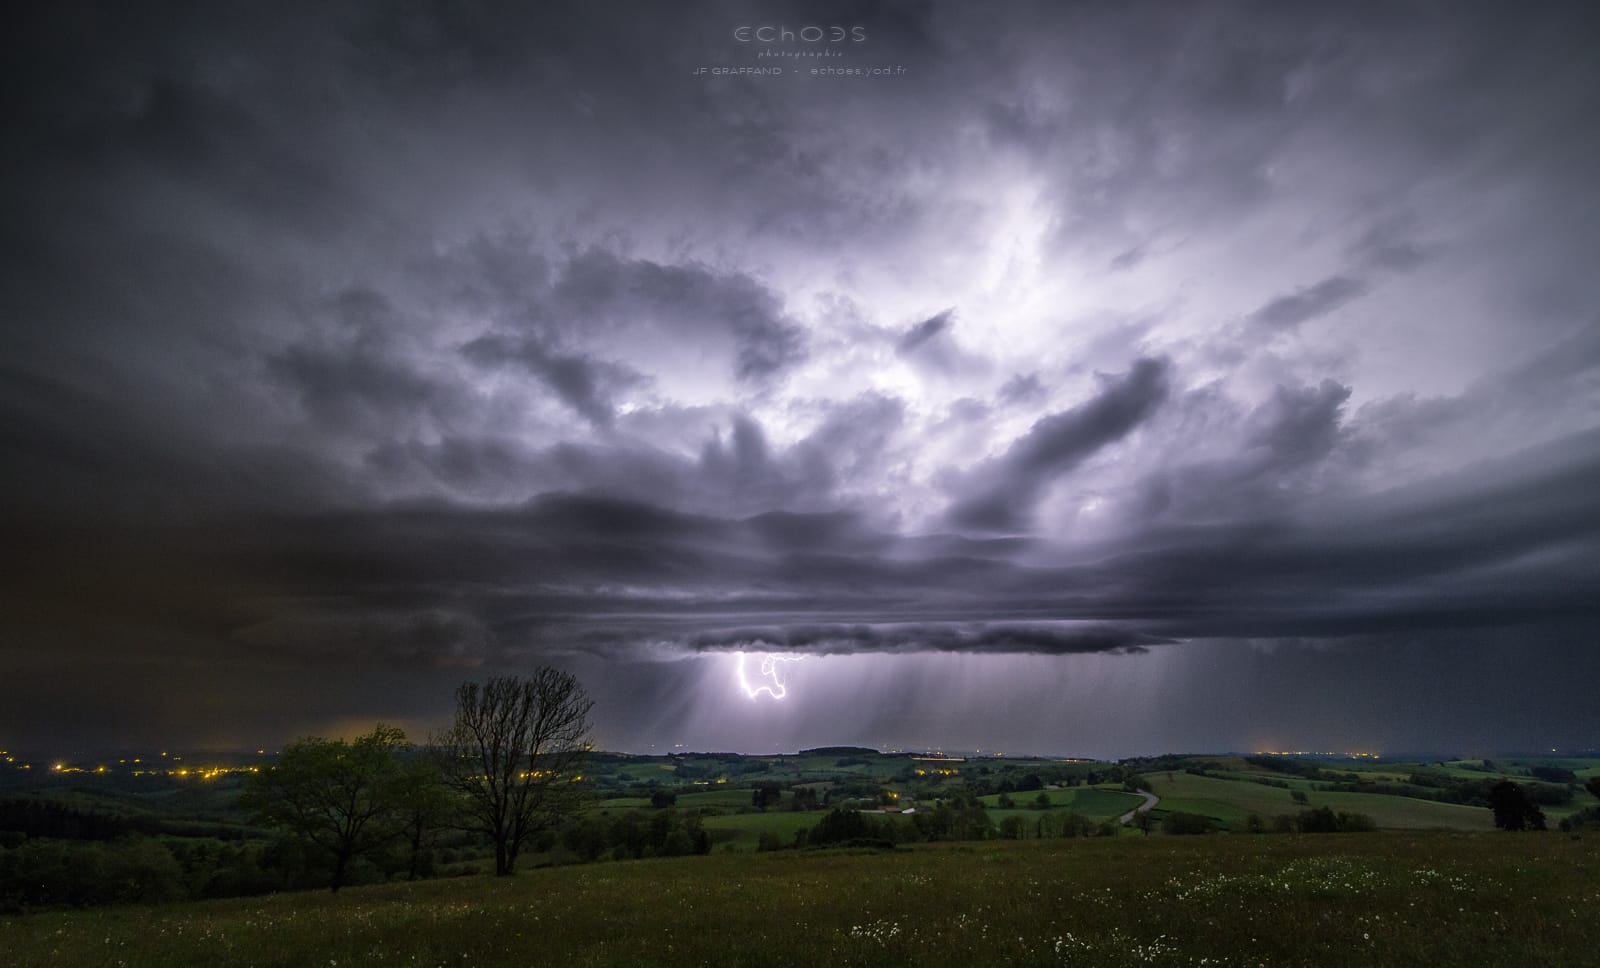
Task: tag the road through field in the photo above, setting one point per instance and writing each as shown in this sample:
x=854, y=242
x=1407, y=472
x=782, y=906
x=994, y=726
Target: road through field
x=1150, y=800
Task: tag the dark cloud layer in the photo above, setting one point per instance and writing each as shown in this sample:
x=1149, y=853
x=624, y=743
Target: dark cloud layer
x=348, y=351
x=1008, y=639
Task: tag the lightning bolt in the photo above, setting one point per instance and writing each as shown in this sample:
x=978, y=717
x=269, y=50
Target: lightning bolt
x=771, y=665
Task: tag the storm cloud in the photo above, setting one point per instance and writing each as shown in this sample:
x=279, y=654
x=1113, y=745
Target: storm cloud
x=1311, y=302
x=1003, y=491
x=375, y=347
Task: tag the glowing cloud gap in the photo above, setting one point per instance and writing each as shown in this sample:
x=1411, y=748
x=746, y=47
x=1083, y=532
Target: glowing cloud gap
x=771, y=665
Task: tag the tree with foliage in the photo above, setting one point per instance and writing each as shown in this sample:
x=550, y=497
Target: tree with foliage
x=425, y=807
x=1042, y=801
x=1585, y=819
x=1013, y=828
x=850, y=828
x=1513, y=809
x=1553, y=774
x=661, y=799
x=514, y=754
x=1323, y=820
x=341, y=800
x=765, y=794
x=1593, y=786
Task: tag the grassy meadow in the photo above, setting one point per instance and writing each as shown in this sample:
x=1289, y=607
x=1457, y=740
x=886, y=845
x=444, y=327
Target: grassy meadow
x=1430, y=899
x=1231, y=801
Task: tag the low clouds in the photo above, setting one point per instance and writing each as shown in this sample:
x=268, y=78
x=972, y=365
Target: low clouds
x=977, y=638
x=1502, y=545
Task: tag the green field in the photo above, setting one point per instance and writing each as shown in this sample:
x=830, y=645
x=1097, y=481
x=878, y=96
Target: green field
x=1231, y=801
x=1093, y=802
x=1408, y=813
x=1423, y=899
x=725, y=798
x=744, y=830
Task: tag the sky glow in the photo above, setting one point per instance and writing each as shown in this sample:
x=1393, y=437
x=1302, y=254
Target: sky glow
x=1116, y=378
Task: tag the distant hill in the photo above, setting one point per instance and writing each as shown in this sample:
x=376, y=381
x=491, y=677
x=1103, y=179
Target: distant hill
x=839, y=751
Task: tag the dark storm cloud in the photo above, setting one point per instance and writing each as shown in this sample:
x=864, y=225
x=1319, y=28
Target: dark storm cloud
x=354, y=344
x=586, y=385
x=430, y=639
x=1507, y=404
x=1280, y=461
x=1000, y=495
x=925, y=330
x=1502, y=546
x=978, y=638
x=1308, y=303
x=599, y=289
x=354, y=388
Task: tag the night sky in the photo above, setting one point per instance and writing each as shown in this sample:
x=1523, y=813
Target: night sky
x=1099, y=378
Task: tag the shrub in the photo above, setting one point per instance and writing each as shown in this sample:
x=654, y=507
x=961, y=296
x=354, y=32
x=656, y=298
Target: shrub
x=1323, y=820
x=1553, y=774
x=1586, y=819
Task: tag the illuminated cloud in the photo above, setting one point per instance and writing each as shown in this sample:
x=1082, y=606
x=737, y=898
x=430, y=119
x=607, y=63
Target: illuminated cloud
x=349, y=352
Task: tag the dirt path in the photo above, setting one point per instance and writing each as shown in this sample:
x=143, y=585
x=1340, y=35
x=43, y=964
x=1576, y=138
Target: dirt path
x=1150, y=800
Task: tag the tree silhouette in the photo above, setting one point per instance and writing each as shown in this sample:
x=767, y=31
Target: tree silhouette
x=1513, y=810
x=765, y=795
x=514, y=754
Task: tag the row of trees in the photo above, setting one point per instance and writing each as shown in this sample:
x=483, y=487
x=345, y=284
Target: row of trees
x=507, y=769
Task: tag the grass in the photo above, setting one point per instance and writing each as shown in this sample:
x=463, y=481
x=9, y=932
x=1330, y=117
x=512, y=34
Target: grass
x=1424, y=899
x=1098, y=804
x=1092, y=802
x=1225, y=800
x=1408, y=812
x=1231, y=801
x=733, y=798
x=744, y=830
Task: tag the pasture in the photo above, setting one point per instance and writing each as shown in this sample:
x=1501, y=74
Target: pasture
x=1231, y=801
x=1394, y=898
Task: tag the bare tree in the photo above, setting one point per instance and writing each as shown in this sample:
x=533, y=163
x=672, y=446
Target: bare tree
x=514, y=753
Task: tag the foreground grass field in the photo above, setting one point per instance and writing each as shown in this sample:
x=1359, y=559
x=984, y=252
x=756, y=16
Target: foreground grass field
x=1434, y=899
